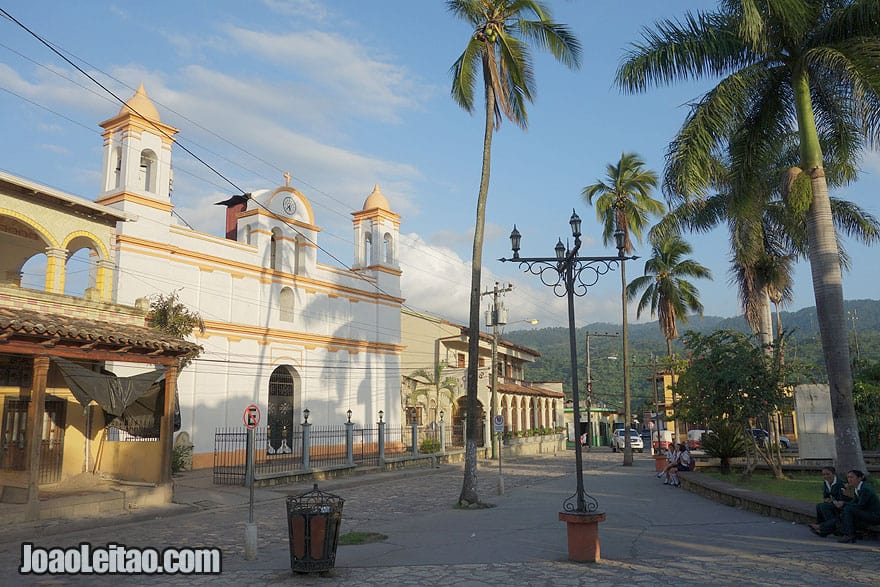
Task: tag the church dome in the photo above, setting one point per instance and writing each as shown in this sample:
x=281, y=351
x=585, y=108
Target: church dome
x=376, y=200
x=141, y=105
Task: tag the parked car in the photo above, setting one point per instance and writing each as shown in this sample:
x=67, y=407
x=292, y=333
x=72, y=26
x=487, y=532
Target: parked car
x=618, y=439
x=761, y=437
x=695, y=439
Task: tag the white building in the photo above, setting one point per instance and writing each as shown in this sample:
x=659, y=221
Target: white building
x=283, y=331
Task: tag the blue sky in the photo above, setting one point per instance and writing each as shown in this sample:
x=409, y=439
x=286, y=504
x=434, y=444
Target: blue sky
x=346, y=94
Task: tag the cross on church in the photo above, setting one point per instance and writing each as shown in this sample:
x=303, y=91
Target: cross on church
x=287, y=179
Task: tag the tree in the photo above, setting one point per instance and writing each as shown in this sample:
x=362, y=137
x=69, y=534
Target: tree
x=766, y=235
x=866, y=395
x=815, y=62
x=498, y=52
x=623, y=204
x=665, y=287
x=168, y=314
x=438, y=383
x=731, y=379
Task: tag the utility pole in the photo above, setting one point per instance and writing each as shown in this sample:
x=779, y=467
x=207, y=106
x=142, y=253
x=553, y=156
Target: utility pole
x=496, y=319
x=589, y=388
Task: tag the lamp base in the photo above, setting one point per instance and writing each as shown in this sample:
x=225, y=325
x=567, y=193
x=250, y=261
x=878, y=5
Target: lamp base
x=583, y=535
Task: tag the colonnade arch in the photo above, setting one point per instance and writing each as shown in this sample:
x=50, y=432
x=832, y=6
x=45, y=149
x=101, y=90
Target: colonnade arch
x=37, y=257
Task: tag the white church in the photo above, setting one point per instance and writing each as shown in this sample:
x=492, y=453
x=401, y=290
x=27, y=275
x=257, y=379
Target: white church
x=283, y=331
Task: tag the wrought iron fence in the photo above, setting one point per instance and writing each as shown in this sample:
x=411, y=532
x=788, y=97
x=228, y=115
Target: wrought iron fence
x=365, y=447
x=327, y=448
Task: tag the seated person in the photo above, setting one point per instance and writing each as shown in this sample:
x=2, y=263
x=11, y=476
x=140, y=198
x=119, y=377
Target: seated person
x=863, y=509
x=671, y=461
x=685, y=462
x=827, y=513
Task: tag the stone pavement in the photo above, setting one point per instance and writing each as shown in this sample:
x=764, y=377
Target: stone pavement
x=654, y=534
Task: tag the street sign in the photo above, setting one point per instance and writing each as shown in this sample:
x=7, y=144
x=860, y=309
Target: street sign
x=251, y=416
x=498, y=423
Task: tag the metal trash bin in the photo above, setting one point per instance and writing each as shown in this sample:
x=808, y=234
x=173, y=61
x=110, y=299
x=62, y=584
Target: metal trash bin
x=313, y=520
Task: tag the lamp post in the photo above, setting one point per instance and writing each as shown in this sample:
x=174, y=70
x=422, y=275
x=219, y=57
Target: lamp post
x=570, y=275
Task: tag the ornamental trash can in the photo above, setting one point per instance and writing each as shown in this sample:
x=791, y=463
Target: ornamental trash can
x=313, y=520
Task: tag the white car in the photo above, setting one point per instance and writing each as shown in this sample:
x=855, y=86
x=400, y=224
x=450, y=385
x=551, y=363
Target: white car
x=618, y=439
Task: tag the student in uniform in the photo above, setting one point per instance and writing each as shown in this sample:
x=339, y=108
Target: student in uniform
x=863, y=510
x=827, y=513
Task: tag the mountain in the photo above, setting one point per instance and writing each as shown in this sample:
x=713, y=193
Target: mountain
x=863, y=318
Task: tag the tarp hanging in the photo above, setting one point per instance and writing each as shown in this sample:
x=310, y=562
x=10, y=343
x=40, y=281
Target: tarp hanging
x=133, y=404
x=114, y=394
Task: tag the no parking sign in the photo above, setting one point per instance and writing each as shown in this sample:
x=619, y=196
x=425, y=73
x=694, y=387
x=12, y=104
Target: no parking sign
x=251, y=416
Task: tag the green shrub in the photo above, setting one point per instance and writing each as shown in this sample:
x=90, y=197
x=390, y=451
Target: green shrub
x=725, y=442
x=429, y=445
x=181, y=457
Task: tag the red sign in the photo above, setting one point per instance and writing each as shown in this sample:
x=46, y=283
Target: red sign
x=251, y=416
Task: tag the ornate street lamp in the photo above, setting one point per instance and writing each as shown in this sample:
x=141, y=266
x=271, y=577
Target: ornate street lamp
x=570, y=275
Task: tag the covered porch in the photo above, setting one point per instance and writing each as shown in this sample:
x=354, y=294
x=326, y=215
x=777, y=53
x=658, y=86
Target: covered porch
x=66, y=436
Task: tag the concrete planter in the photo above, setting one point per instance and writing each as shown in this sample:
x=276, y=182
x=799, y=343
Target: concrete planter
x=659, y=462
x=583, y=535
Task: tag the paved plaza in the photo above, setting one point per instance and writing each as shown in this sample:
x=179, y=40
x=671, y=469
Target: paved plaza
x=654, y=534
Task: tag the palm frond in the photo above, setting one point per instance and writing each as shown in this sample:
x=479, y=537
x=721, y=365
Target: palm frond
x=700, y=45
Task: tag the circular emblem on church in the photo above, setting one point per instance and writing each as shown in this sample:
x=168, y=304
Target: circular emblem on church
x=289, y=205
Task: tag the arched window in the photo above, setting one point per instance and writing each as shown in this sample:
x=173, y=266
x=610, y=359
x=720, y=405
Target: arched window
x=368, y=249
x=275, y=250
x=148, y=170
x=286, y=303
x=389, y=249
x=117, y=167
x=249, y=234
x=300, y=255
x=282, y=410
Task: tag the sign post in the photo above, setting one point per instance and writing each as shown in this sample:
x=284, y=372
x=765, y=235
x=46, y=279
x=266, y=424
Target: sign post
x=498, y=428
x=251, y=419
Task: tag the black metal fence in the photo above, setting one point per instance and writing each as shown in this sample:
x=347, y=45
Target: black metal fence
x=327, y=447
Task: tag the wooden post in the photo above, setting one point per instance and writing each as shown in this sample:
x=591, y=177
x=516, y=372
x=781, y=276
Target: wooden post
x=166, y=426
x=35, y=415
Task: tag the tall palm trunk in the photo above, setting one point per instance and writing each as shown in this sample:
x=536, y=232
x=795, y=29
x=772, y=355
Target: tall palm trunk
x=627, y=410
x=827, y=284
x=469, y=484
x=765, y=319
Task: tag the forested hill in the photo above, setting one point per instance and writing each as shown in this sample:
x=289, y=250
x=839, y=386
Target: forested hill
x=863, y=323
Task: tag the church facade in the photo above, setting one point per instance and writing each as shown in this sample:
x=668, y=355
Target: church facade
x=283, y=331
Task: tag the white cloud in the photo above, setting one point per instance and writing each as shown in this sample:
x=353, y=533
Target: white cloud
x=341, y=70
x=308, y=9
x=465, y=238
x=436, y=280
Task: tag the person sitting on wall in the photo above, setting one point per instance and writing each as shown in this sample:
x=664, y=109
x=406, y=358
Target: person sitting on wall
x=685, y=462
x=863, y=510
x=827, y=512
x=671, y=460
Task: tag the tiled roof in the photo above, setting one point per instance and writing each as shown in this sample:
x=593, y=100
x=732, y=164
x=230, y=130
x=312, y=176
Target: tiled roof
x=44, y=326
x=525, y=390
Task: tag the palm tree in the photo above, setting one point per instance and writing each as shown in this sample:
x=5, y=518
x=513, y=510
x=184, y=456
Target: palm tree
x=498, y=51
x=816, y=62
x=623, y=204
x=665, y=286
x=441, y=385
